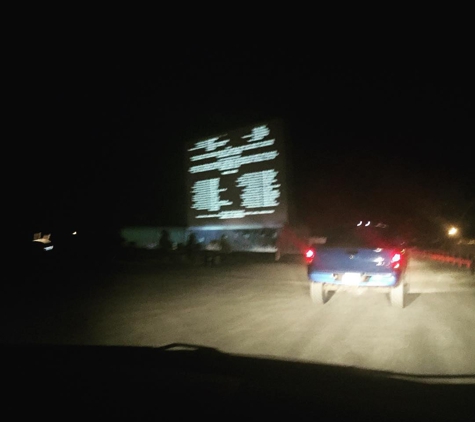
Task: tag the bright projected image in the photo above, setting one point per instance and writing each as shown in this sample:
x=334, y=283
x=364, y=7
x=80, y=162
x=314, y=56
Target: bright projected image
x=237, y=179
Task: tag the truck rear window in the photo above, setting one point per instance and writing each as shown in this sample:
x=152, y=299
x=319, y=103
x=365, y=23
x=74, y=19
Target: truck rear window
x=363, y=237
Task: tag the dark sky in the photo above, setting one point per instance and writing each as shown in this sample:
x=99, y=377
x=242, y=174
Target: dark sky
x=386, y=137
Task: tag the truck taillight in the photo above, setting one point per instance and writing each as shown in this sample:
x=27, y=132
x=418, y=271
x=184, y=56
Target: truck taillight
x=309, y=255
x=396, y=260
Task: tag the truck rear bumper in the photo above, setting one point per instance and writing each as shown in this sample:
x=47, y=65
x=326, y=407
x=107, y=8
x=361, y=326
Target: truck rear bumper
x=366, y=280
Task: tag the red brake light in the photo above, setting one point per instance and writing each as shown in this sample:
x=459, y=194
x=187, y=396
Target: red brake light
x=396, y=260
x=309, y=255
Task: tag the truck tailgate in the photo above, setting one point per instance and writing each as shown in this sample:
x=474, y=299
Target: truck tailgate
x=362, y=260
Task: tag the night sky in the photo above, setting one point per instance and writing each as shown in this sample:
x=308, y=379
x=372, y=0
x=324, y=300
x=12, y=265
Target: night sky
x=387, y=139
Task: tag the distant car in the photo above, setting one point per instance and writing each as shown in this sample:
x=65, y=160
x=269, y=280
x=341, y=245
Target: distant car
x=41, y=248
x=358, y=258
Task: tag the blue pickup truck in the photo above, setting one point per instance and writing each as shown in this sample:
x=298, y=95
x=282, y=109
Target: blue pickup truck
x=359, y=257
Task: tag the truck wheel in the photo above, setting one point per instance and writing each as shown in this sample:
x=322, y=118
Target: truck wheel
x=397, y=295
x=317, y=293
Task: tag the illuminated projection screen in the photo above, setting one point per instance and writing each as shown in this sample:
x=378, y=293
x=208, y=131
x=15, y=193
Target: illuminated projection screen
x=237, y=179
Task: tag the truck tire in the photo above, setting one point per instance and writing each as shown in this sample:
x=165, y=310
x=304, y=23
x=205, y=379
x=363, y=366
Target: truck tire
x=317, y=293
x=397, y=295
